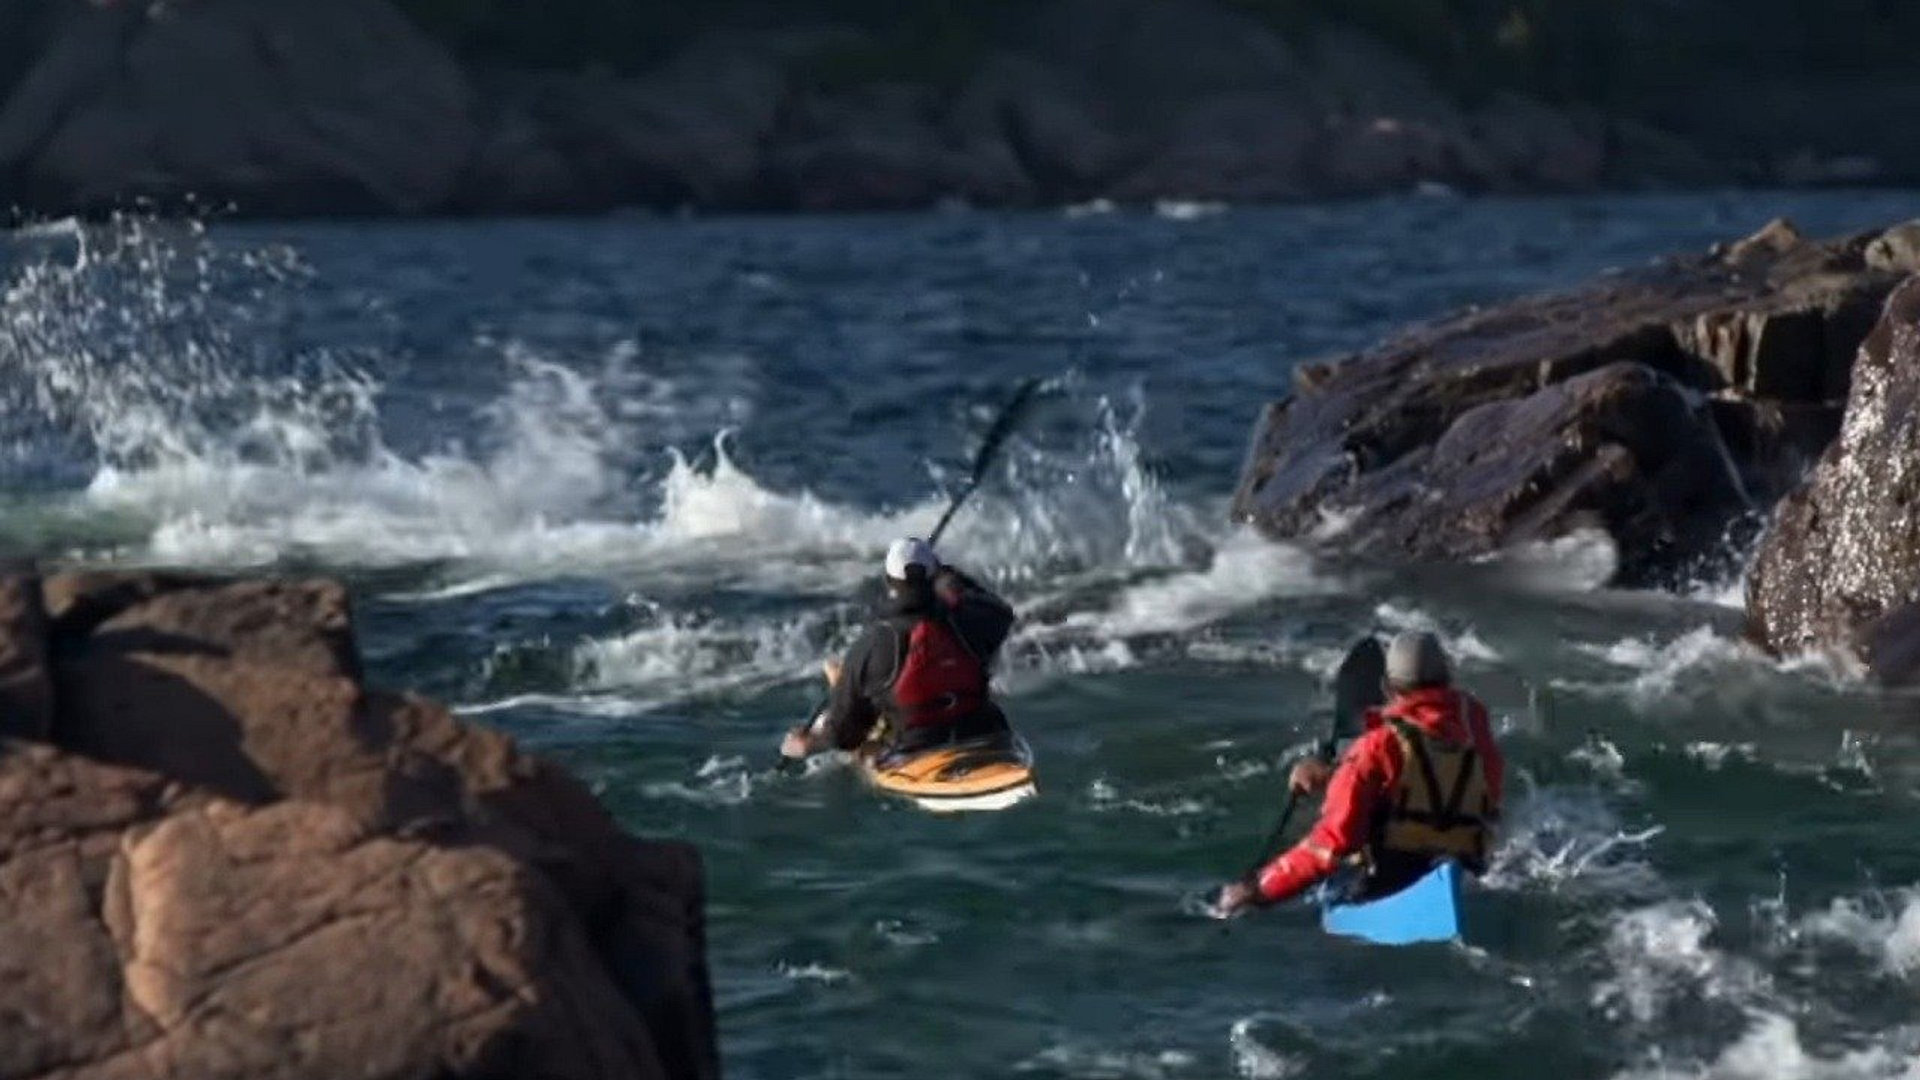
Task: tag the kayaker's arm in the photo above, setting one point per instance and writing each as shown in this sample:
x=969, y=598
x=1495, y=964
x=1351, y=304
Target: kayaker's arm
x=1356, y=785
x=980, y=616
x=1312, y=773
x=851, y=712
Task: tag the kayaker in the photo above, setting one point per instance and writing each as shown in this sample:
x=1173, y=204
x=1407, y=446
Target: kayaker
x=1421, y=783
x=921, y=667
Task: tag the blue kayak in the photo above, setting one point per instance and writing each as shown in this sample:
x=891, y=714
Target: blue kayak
x=1427, y=910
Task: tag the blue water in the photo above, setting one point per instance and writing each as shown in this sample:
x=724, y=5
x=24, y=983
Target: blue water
x=612, y=486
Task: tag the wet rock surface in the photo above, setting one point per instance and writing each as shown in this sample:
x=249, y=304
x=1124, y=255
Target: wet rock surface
x=1839, y=570
x=223, y=856
x=1663, y=405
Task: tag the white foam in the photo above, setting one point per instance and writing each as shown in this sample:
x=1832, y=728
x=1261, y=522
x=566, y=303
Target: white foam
x=1187, y=209
x=901, y=936
x=151, y=359
x=1730, y=594
x=1254, y=1060
x=1107, y=1063
x=1569, y=840
x=1600, y=755
x=1771, y=1049
x=681, y=656
x=1661, y=667
x=1093, y=208
x=1466, y=644
x=1104, y=797
x=813, y=972
x=1244, y=572
x=59, y=228
x=1713, y=756
x=1662, y=963
x=1877, y=930
x=1581, y=561
x=720, y=781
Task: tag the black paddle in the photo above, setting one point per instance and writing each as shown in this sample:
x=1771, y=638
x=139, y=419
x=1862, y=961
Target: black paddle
x=1002, y=426
x=1357, y=687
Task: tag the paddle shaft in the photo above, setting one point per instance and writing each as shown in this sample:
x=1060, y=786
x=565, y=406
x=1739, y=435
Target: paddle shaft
x=1003, y=425
x=1279, y=833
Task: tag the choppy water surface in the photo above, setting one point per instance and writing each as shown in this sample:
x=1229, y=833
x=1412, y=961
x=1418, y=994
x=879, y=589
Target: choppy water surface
x=612, y=485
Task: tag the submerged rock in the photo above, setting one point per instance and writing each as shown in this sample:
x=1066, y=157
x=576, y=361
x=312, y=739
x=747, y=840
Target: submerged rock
x=1662, y=405
x=1839, y=570
x=223, y=856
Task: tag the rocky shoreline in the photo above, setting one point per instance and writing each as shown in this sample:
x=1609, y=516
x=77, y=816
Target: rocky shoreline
x=222, y=855
x=1672, y=408
x=279, y=107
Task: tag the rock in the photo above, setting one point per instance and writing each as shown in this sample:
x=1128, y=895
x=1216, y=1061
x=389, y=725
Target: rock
x=202, y=938
x=267, y=941
x=275, y=105
x=1386, y=126
x=689, y=134
x=1775, y=238
x=1890, y=646
x=1839, y=568
x=1774, y=443
x=1143, y=55
x=79, y=601
x=1062, y=136
x=26, y=687
x=1376, y=439
x=302, y=626
x=880, y=146
x=1369, y=155
x=1523, y=145
x=1243, y=147
x=62, y=819
x=1622, y=448
x=1897, y=249
x=1357, y=78
x=284, y=873
x=1640, y=155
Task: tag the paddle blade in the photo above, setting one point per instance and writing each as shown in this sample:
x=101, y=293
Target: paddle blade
x=1359, y=685
x=1002, y=426
x=1009, y=418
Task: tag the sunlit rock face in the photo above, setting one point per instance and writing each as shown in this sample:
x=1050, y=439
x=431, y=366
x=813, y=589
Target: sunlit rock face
x=1669, y=406
x=1839, y=571
x=223, y=855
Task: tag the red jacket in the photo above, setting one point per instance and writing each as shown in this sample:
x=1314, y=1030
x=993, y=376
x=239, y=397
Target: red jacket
x=1368, y=773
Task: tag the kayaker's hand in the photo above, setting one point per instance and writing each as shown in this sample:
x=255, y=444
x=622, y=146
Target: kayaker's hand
x=830, y=668
x=1236, y=897
x=796, y=745
x=1309, y=775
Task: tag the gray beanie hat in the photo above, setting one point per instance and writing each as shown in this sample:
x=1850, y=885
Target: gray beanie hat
x=1417, y=659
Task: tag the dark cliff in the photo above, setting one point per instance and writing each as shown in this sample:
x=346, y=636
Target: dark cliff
x=426, y=106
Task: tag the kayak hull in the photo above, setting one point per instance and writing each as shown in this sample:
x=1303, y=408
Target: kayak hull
x=1427, y=910
x=957, y=779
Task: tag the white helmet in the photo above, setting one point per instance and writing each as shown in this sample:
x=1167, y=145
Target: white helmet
x=909, y=552
x=1416, y=658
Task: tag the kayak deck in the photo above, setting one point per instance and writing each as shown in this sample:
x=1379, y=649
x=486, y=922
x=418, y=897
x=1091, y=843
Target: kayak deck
x=1427, y=910
x=951, y=779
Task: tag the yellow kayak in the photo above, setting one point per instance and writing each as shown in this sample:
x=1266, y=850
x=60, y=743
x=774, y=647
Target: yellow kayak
x=951, y=779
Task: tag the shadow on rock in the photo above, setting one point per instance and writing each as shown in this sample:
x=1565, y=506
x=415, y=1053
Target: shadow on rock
x=254, y=865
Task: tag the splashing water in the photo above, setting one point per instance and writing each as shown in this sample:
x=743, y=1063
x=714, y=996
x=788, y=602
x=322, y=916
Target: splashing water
x=612, y=486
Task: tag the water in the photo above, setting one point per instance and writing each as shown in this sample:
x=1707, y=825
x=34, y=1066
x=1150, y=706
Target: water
x=611, y=485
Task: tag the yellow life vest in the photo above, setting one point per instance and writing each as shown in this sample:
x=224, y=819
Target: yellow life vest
x=1440, y=805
